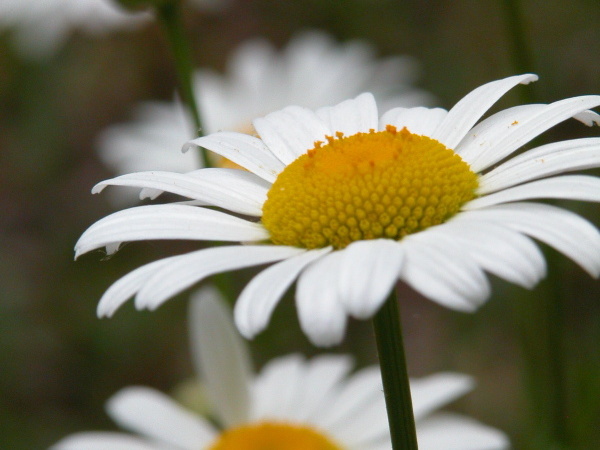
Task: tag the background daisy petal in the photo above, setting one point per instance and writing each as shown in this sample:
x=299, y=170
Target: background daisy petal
x=220, y=356
x=276, y=387
x=436, y=391
x=190, y=268
x=247, y=151
x=547, y=160
x=103, y=440
x=322, y=315
x=456, y=432
x=358, y=115
x=368, y=272
x=255, y=304
x=151, y=413
x=236, y=190
x=470, y=108
x=167, y=222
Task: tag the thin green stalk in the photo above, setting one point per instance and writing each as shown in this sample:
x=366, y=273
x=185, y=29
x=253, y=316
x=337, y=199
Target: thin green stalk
x=396, y=387
x=520, y=52
x=169, y=15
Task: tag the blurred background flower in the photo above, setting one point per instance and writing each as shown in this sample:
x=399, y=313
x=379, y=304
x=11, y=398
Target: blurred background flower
x=60, y=363
x=292, y=404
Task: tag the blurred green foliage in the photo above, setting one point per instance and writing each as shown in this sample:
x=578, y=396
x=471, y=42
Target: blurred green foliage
x=60, y=363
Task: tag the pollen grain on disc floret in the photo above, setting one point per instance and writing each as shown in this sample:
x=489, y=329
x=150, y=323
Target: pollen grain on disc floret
x=385, y=184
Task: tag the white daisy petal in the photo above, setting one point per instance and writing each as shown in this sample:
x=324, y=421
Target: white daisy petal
x=483, y=137
x=233, y=189
x=191, y=268
x=102, y=440
x=255, y=304
x=244, y=150
x=322, y=315
x=220, y=356
x=566, y=187
x=532, y=126
x=126, y=287
x=368, y=271
x=499, y=250
x=167, y=222
x=456, y=432
x=436, y=391
x=435, y=266
x=547, y=160
x=153, y=414
x=567, y=232
x=363, y=388
x=358, y=115
x=419, y=120
x=290, y=132
x=324, y=373
x=470, y=108
x=275, y=387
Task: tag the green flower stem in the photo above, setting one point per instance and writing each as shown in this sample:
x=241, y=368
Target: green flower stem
x=169, y=15
x=388, y=333
x=520, y=52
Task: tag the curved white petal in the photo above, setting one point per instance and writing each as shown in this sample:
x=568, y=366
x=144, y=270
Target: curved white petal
x=505, y=141
x=547, y=160
x=484, y=136
x=291, y=132
x=276, y=387
x=436, y=267
x=126, y=287
x=499, y=250
x=255, y=304
x=152, y=413
x=322, y=315
x=247, y=151
x=360, y=390
x=455, y=432
x=235, y=190
x=320, y=383
x=469, y=109
x=220, y=356
x=358, y=115
x=419, y=120
x=103, y=440
x=567, y=232
x=437, y=390
x=368, y=272
x=189, y=269
x=168, y=222
x=567, y=187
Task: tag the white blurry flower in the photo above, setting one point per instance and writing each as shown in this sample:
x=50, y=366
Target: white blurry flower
x=431, y=199
x=41, y=26
x=292, y=404
x=311, y=71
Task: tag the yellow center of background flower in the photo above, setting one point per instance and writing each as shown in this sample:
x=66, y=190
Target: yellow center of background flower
x=385, y=184
x=273, y=436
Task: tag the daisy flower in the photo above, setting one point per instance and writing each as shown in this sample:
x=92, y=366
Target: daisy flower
x=292, y=404
x=311, y=71
x=349, y=203
x=42, y=26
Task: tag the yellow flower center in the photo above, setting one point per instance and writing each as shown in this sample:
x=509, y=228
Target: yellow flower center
x=385, y=184
x=273, y=436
